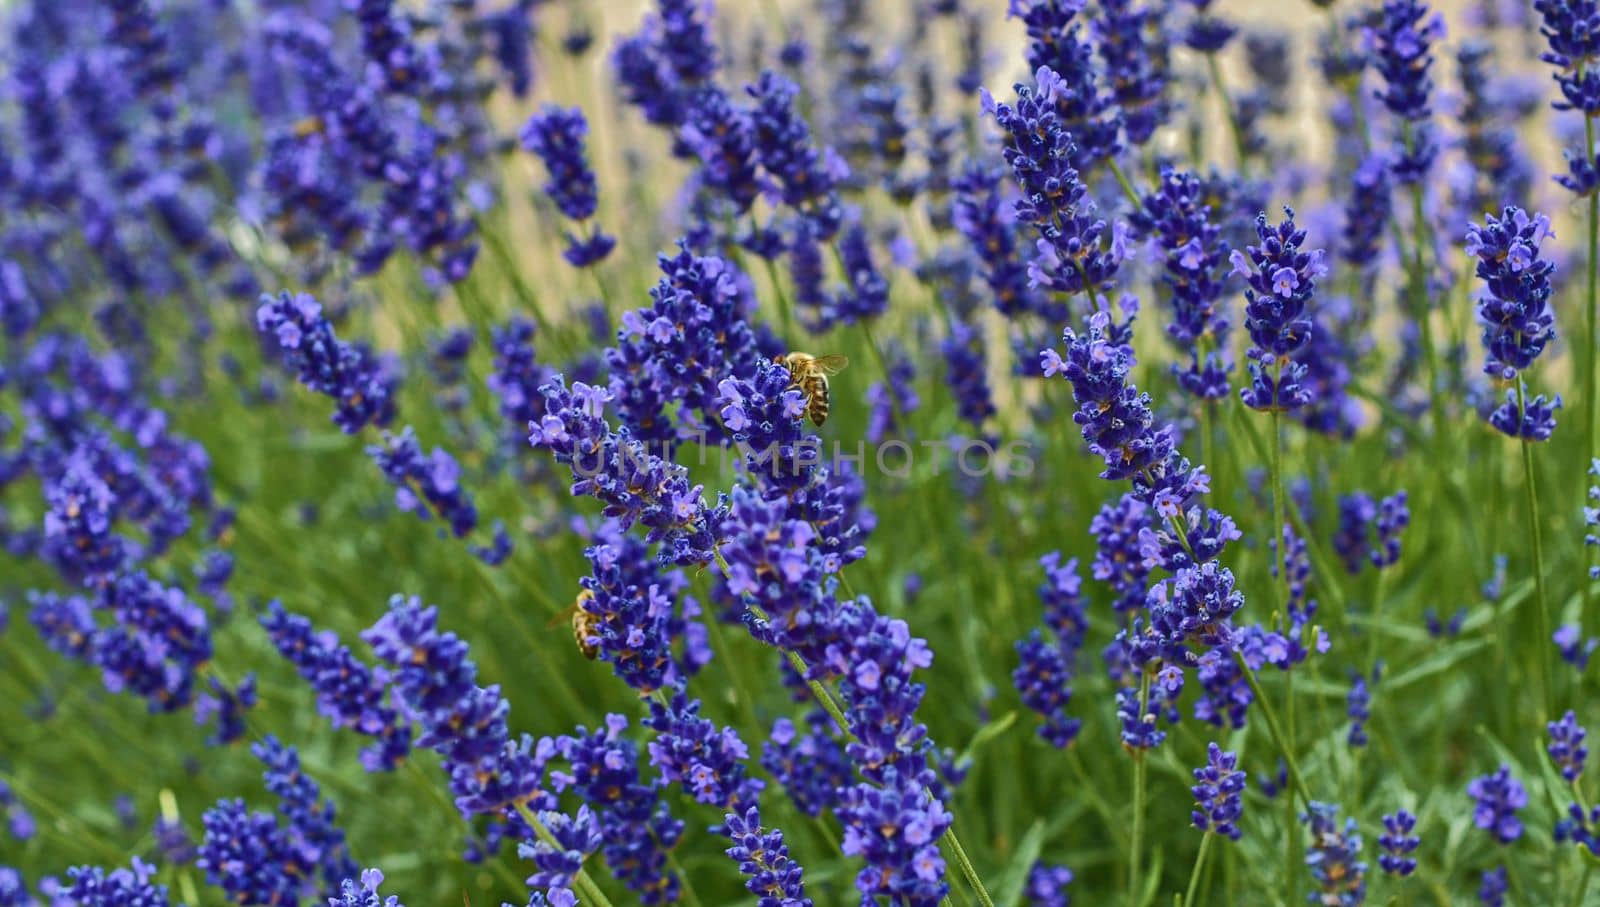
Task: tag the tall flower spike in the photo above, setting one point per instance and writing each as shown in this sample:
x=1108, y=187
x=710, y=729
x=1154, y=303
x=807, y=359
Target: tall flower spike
x=1401, y=44
x=1132, y=45
x=636, y=486
x=1046, y=885
x=434, y=676
x=1281, y=279
x=349, y=693
x=1179, y=216
x=1497, y=798
x=424, y=483
x=1218, y=787
x=361, y=386
x=1398, y=843
x=775, y=879
x=557, y=136
x=797, y=173
x=1334, y=857
x=1073, y=252
x=1514, y=310
x=1566, y=746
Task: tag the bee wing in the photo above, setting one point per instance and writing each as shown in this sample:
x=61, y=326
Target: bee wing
x=830, y=365
x=563, y=617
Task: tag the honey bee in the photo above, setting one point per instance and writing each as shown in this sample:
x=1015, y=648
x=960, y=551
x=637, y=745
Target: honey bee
x=584, y=625
x=810, y=374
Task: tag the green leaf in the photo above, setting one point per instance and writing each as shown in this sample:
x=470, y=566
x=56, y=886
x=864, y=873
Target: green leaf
x=1015, y=875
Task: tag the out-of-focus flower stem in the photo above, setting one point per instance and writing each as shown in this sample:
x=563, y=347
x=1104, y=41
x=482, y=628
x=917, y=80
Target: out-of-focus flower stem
x=1274, y=729
x=1136, y=848
x=1532, y=496
x=1199, y=863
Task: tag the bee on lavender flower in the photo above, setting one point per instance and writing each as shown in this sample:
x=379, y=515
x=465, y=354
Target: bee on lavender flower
x=810, y=374
x=585, y=625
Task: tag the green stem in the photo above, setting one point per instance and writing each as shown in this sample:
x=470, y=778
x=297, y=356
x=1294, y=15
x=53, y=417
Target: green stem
x=1278, y=548
x=1532, y=497
x=1199, y=862
x=1290, y=838
x=1136, y=849
x=1592, y=290
x=1214, y=69
x=1583, y=883
x=586, y=887
x=1274, y=729
x=785, y=315
x=1127, y=187
x=1424, y=316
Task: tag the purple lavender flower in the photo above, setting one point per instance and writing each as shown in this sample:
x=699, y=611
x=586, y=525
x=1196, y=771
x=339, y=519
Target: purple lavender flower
x=1180, y=219
x=1358, y=705
x=1132, y=46
x=722, y=136
x=633, y=615
x=78, y=537
x=1207, y=32
x=1117, y=561
x=14, y=889
x=1367, y=213
x=1072, y=253
x=1566, y=746
x=1393, y=517
x=797, y=173
x=987, y=220
x=227, y=707
x=1572, y=647
x=1572, y=29
x=706, y=761
x=463, y=722
x=1043, y=680
x=966, y=372
x=424, y=483
x=895, y=829
x=1398, y=843
x=1515, y=314
x=811, y=767
x=349, y=693
x=775, y=879
x=364, y=893
x=19, y=820
x=557, y=136
x=636, y=486
x=1494, y=886
x=1116, y=419
x=636, y=828
x=1400, y=44
x=674, y=354
x=1282, y=279
x=1497, y=797
x=1046, y=885
x=91, y=885
x=1217, y=790
x=314, y=842
x=1334, y=857
x=1056, y=42
x=362, y=388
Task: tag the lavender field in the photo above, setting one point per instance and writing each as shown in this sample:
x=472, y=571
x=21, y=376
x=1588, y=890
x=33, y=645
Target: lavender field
x=937, y=452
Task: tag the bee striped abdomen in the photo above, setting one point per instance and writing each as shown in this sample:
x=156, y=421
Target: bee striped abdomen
x=816, y=390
